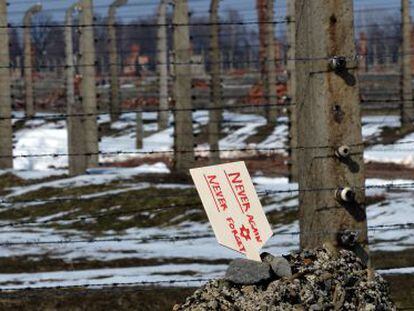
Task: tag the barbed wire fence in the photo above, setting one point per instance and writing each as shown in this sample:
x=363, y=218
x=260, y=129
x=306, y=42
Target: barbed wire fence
x=83, y=96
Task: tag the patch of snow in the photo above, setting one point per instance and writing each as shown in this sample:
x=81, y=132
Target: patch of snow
x=29, y=175
x=161, y=273
x=372, y=125
x=237, y=139
x=408, y=270
x=43, y=140
x=400, y=153
x=277, y=139
x=95, y=177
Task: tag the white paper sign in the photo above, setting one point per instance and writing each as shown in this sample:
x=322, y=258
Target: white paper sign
x=233, y=207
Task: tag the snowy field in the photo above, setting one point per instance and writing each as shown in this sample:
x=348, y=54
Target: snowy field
x=41, y=137
x=196, y=240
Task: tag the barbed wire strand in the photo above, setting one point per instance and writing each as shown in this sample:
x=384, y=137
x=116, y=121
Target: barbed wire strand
x=103, y=285
x=172, y=239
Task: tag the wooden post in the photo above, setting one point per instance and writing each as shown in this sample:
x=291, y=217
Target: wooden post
x=184, y=137
x=291, y=54
x=329, y=115
x=6, y=132
x=88, y=84
x=28, y=64
x=162, y=65
x=75, y=121
x=407, y=106
x=114, y=103
x=270, y=65
x=216, y=91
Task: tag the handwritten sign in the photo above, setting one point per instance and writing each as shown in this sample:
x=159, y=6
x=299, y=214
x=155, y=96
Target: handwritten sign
x=233, y=207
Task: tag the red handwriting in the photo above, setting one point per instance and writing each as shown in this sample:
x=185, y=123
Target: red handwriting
x=235, y=232
x=254, y=228
x=239, y=191
x=216, y=192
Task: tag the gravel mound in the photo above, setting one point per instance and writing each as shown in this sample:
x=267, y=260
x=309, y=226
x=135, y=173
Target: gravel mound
x=321, y=280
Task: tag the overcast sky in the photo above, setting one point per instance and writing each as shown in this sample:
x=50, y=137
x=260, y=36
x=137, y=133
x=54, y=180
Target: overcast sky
x=136, y=8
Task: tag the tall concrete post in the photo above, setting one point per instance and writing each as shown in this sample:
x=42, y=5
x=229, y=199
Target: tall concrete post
x=375, y=58
x=261, y=17
x=331, y=187
x=75, y=120
x=139, y=139
x=363, y=50
x=6, y=132
x=407, y=106
x=215, y=85
x=184, y=137
x=291, y=55
x=270, y=65
x=162, y=65
x=88, y=85
x=114, y=104
x=28, y=63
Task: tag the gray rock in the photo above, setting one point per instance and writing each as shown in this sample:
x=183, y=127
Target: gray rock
x=248, y=272
x=322, y=280
x=315, y=307
x=213, y=305
x=279, y=265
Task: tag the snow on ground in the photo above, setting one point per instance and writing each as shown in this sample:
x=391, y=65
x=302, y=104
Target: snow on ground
x=371, y=125
x=97, y=277
x=394, y=209
x=109, y=276
x=98, y=176
x=236, y=140
x=32, y=175
x=278, y=139
x=50, y=137
x=159, y=141
x=402, y=152
x=40, y=137
x=408, y=270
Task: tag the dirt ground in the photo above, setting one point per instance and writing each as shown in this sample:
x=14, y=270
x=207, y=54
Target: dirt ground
x=147, y=299
x=162, y=298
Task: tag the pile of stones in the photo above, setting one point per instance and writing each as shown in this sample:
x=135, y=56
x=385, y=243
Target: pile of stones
x=318, y=279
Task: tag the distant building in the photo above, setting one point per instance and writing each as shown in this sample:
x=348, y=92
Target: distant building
x=135, y=63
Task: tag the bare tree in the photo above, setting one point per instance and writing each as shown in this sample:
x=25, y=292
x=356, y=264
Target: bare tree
x=48, y=42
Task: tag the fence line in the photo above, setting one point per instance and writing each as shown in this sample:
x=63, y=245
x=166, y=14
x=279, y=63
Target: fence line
x=104, y=285
x=388, y=186
x=94, y=215
x=145, y=25
x=146, y=109
x=256, y=61
x=143, y=38
x=55, y=116
x=118, y=239
x=122, y=212
x=205, y=150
